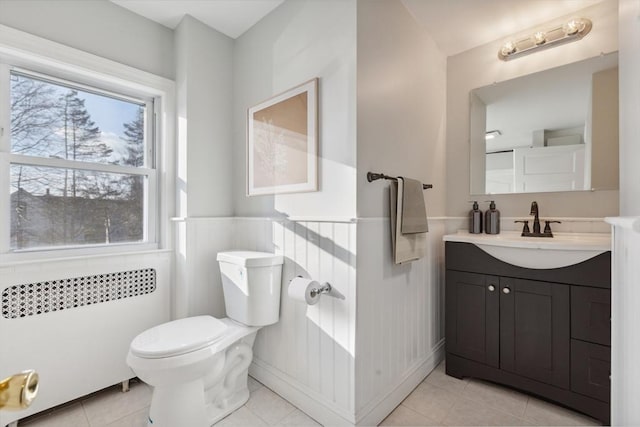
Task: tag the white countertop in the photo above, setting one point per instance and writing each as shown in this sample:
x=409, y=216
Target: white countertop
x=559, y=241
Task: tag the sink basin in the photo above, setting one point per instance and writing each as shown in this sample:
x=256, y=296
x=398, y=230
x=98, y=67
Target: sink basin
x=561, y=250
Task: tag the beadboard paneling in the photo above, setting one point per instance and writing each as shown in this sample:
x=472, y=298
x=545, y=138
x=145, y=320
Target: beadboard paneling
x=400, y=322
x=312, y=348
x=309, y=356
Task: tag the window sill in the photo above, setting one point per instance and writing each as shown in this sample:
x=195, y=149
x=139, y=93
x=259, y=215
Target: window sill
x=78, y=254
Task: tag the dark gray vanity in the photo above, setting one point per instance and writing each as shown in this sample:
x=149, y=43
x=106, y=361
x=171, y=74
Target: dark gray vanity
x=545, y=331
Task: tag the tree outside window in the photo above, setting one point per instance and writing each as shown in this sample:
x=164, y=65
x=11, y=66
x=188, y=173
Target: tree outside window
x=77, y=179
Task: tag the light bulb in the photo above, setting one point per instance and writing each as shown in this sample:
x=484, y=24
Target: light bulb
x=508, y=48
x=540, y=38
x=574, y=26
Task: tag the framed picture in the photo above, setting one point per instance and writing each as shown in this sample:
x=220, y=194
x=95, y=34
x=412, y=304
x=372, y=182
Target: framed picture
x=282, y=142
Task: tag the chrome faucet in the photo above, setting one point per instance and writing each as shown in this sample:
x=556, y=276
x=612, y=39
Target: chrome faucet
x=536, y=219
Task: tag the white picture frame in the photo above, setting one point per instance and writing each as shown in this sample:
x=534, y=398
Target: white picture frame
x=282, y=142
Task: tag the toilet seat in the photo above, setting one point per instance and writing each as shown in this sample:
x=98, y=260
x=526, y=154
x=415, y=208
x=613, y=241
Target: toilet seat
x=178, y=337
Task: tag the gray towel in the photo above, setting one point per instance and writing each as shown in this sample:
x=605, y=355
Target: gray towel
x=405, y=247
x=414, y=214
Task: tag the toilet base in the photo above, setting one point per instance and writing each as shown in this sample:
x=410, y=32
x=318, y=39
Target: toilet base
x=184, y=405
x=216, y=414
x=178, y=405
x=205, y=400
x=226, y=395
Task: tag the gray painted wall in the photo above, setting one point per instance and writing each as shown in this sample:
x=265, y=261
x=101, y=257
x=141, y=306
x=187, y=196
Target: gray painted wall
x=629, y=107
x=401, y=99
x=204, y=79
x=96, y=26
x=298, y=41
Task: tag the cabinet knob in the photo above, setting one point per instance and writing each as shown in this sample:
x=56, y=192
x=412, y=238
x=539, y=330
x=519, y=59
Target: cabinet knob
x=491, y=288
x=506, y=290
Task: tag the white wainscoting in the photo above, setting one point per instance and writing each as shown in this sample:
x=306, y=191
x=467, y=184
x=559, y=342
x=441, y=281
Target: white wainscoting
x=400, y=321
x=308, y=357
x=314, y=357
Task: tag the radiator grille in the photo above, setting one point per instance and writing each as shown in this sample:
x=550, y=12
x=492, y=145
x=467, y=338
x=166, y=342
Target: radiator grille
x=54, y=295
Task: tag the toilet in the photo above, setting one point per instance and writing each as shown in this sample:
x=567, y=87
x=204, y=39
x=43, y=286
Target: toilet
x=198, y=366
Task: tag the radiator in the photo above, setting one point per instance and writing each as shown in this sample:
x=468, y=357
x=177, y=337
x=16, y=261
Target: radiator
x=73, y=323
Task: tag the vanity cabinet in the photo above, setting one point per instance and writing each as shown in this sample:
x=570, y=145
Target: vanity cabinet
x=545, y=331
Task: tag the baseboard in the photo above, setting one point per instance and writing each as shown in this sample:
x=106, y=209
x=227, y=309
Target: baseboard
x=308, y=401
x=326, y=412
x=377, y=410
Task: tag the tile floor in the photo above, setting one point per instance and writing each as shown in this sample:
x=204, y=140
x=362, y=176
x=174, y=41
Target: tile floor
x=441, y=400
x=438, y=401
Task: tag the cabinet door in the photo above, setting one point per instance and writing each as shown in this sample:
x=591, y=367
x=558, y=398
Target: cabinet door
x=535, y=329
x=472, y=316
x=591, y=314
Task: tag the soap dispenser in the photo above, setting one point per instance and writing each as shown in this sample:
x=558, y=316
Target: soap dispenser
x=492, y=219
x=475, y=219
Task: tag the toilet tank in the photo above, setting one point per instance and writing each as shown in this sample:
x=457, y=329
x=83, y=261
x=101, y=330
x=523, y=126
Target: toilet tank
x=251, y=283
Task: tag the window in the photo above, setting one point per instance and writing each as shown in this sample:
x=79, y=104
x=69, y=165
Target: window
x=80, y=162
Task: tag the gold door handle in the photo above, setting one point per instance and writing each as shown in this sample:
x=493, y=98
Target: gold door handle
x=19, y=390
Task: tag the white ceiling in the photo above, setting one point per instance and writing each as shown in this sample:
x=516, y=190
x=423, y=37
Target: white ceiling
x=455, y=25
x=230, y=17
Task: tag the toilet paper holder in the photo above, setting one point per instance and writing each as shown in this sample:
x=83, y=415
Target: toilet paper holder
x=325, y=288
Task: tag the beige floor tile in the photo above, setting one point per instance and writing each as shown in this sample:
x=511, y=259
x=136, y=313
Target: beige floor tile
x=241, y=417
x=298, y=418
x=68, y=416
x=499, y=397
x=467, y=412
x=439, y=378
x=112, y=405
x=441, y=400
x=269, y=406
x=545, y=413
x=137, y=419
x=430, y=401
x=404, y=416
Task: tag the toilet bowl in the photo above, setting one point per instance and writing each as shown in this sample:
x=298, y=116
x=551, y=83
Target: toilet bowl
x=198, y=366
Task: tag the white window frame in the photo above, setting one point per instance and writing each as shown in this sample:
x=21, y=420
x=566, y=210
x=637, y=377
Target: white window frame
x=42, y=58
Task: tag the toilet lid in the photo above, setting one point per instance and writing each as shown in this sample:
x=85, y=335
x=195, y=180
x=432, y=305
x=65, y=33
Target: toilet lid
x=178, y=337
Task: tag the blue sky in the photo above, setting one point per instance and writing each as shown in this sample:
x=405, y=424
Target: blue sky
x=109, y=113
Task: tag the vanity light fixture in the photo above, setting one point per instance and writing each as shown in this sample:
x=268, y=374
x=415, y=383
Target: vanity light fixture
x=492, y=134
x=572, y=30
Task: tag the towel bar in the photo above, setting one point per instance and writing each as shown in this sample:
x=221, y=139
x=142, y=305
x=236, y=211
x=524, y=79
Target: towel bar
x=372, y=176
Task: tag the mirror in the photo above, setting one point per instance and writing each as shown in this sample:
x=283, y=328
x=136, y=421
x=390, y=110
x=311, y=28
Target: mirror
x=556, y=130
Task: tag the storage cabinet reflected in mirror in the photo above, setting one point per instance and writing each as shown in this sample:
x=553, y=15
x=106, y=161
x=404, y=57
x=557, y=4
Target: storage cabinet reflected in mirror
x=556, y=130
